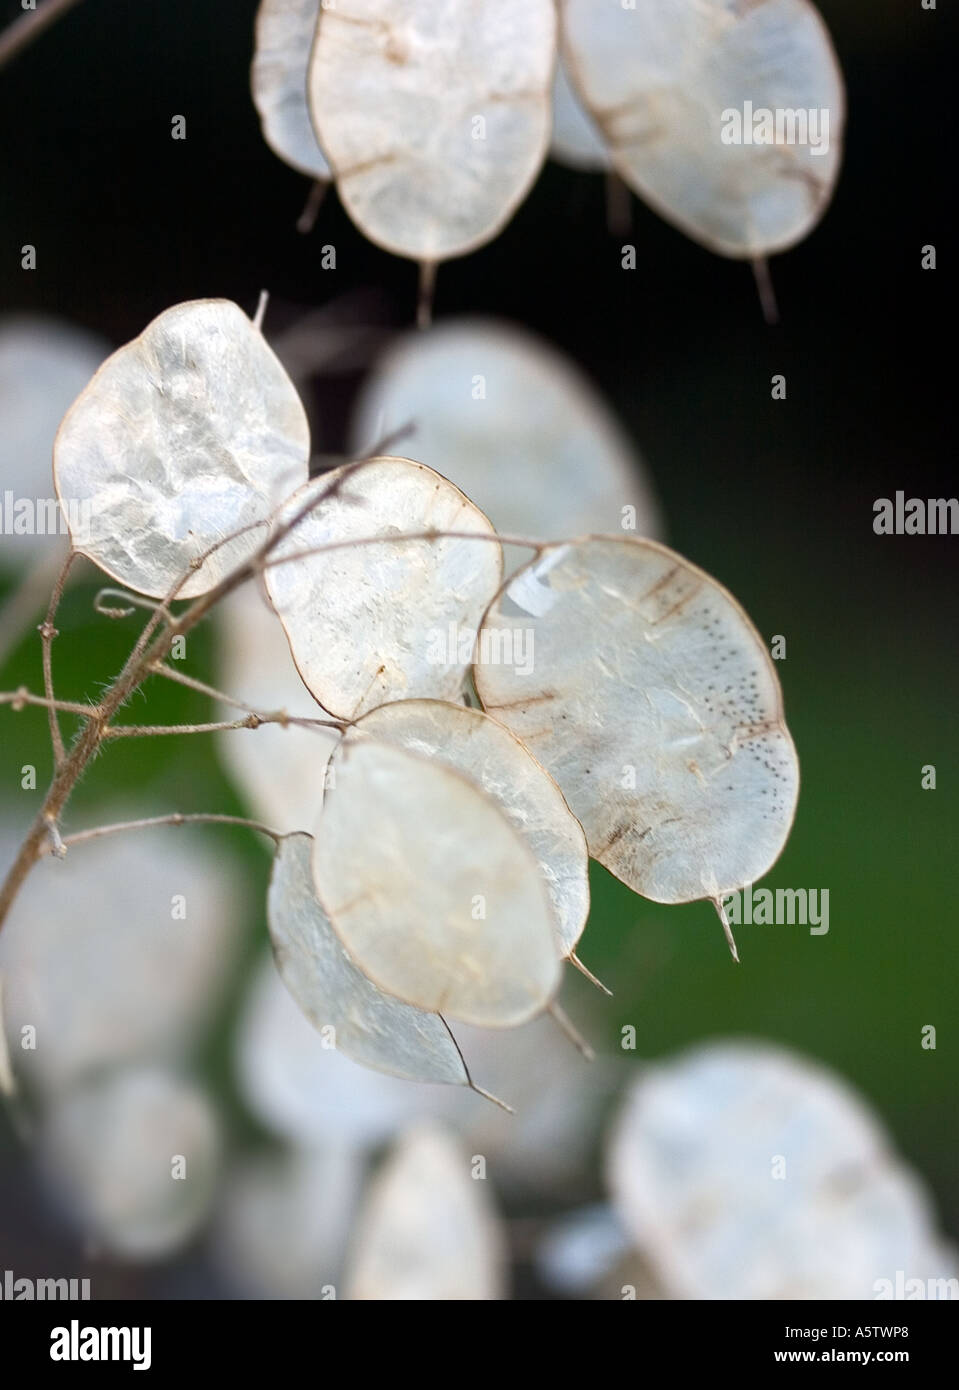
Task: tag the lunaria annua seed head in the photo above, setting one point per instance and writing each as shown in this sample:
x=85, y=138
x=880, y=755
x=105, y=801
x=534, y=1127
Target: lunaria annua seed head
x=655, y=705
x=434, y=894
x=688, y=94
x=183, y=437
x=435, y=117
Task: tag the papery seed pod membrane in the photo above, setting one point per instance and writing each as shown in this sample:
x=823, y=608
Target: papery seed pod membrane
x=285, y=30
x=488, y=753
x=311, y=1095
x=435, y=117
x=426, y=1230
x=369, y=623
x=358, y=1018
x=185, y=436
x=744, y=1171
x=515, y=424
x=116, y=954
x=656, y=707
x=679, y=90
x=434, y=894
x=134, y=1156
x=44, y=364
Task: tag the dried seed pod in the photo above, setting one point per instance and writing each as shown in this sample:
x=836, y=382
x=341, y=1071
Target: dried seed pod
x=516, y=425
x=693, y=1162
x=184, y=436
x=426, y=1230
x=433, y=893
x=679, y=90
x=485, y=751
x=656, y=707
x=284, y=1218
x=370, y=623
x=434, y=117
x=313, y=1096
x=116, y=955
x=361, y=1020
x=44, y=365
x=134, y=1155
x=284, y=40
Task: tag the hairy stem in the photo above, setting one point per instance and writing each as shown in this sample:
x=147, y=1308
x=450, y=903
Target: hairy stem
x=22, y=697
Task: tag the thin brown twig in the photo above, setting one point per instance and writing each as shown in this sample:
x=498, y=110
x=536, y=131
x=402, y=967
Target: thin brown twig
x=252, y=721
x=280, y=717
x=432, y=535
x=175, y=818
x=22, y=697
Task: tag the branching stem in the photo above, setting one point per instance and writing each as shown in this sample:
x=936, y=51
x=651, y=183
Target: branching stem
x=174, y=818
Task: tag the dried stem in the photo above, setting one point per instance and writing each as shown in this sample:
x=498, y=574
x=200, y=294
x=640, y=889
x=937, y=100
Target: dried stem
x=175, y=818
x=426, y=293
x=311, y=211
x=727, y=928
x=764, y=287
x=561, y=1017
x=252, y=721
x=491, y=536
x=19, y=699
x=30, y=26
x=279, y=716
x=47, y=634
x=574, y=959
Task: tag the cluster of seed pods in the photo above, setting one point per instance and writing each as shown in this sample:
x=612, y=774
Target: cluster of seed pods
x=628, y=709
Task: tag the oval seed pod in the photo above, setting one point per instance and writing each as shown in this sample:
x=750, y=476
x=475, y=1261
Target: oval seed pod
x=368, y=1025
x=426, y=1230
x=433, y=893
x=392, y=620
x=312, y=1096
x=117, y=954
x=284, y=41
x=284, y=1218
x=184, y=436
x=575, y=141
x=693, y=1162
x=679, y=90
x=44, y=364
x=656, y=707
x=135, y=1156
x=516, y=425
x=434, y=117
x=485, y=751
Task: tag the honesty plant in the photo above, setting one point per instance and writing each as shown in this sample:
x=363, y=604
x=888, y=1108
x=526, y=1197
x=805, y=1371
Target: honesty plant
x=442, y=869
x=658, y=78
x=434, y=119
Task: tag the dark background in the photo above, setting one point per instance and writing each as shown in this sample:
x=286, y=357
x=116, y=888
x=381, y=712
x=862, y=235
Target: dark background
x=774, y=498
